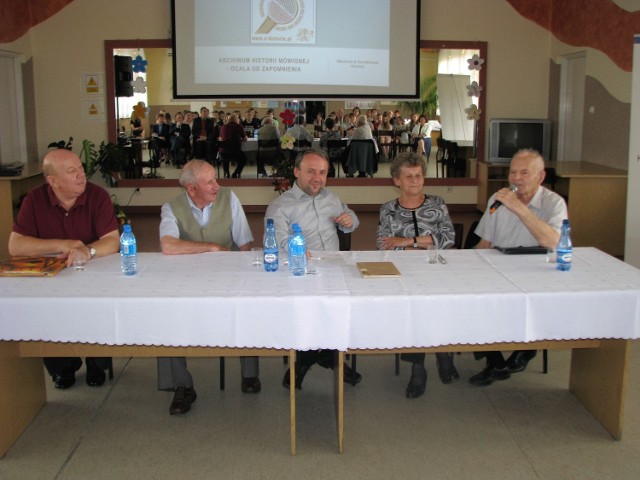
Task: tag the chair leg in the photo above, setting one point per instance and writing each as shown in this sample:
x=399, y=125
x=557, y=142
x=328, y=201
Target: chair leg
x=545, y=361
x=221, y=373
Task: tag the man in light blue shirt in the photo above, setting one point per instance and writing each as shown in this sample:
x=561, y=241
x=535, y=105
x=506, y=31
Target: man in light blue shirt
x=205, y=218
x=319, y=213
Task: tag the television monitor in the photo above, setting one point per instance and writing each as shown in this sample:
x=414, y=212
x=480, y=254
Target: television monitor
x=296, y=49
x=508, y=135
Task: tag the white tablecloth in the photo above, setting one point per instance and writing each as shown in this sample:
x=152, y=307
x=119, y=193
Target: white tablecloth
x=218, y=299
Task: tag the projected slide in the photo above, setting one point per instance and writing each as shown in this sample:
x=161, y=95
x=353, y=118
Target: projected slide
x=296, y=48
x=292, y=42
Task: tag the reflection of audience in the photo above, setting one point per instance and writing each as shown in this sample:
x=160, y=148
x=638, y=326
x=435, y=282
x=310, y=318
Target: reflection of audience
x=74, y=219
x=267, y=132
x=335, y=154
x=421, y=134
x=206, y=218
x=318, y=212
x=528, y=217
x=180, y=133
x=203, y=132
x=415, y=221
x=234, y=133
x=137, y=134
x=159, y=140
x=299, y=131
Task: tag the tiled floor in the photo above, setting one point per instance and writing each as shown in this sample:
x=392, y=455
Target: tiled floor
x=529, y=427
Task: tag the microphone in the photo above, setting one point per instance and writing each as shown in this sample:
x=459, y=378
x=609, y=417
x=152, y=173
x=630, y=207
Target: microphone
x=497, y=203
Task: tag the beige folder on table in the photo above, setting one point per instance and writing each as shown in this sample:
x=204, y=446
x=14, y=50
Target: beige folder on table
x=378, y=269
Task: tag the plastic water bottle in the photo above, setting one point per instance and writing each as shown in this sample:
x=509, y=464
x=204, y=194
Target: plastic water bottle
x=128, y=261
x=564, y=249
x=270, y=247
x=297, y=252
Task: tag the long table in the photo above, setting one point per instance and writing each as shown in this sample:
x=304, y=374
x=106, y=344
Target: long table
x=479, y=300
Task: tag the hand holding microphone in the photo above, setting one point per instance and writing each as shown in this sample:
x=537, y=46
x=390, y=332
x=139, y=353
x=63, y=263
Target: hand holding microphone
x=497, y=203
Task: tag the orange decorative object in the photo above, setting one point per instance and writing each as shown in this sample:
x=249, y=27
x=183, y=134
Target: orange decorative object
x=18, y=17
x=599, y=24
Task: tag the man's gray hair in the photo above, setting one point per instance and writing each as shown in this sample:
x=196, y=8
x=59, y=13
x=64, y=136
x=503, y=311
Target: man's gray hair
x=191, y=172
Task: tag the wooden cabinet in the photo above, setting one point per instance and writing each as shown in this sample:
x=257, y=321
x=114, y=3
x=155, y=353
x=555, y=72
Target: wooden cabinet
x=11, y=189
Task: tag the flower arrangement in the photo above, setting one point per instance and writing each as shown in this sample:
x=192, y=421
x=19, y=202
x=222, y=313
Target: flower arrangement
x=286, y=141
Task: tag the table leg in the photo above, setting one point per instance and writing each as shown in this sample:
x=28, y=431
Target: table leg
x=599, y=380
x=23, y=393
x=292, y=399
x=338, y=389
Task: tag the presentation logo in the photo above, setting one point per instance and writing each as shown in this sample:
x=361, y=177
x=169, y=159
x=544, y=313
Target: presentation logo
x=283, y=21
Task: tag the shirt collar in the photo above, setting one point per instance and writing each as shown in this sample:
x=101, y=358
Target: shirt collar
x=536, y=200
x=55, y=201
x=194, y=206
x=299, y=194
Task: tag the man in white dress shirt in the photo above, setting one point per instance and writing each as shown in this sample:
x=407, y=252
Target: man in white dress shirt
x=529, y=216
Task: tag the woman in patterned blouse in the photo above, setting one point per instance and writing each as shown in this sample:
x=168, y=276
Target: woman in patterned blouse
x=414, y=221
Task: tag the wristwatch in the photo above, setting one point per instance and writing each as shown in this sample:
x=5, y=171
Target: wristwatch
x=92, y=252
x=415, y=242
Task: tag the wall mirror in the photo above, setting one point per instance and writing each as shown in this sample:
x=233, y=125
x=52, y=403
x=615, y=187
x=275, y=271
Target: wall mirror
x=432, y=54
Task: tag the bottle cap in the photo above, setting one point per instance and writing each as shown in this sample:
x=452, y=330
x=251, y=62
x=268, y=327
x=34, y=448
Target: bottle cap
x=126, y=228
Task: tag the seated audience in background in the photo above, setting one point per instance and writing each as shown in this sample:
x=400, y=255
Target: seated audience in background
x=266, y=132
x=299, y=131
x=137, y=135
x=421, y=134
x=318, y=125
x=530, y=216
x=349, y=125
x=385, y=140
x=203, y=132
x=73, y=219
x=179, y=140
x=318, y=212
x=335, y=154
x=414, y=221
x=234, y=133
x=159, y=142
x=205, y=218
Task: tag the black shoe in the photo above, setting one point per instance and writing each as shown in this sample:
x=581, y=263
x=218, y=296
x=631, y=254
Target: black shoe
x=446, y=369
x=95, y=375
x=251, y=385
x=350, y=375
x=519, y=359
x=235, y=175
x=490, y=374
x=63, y=381
x=182, y=400
x=362, y=175
x=226, y=175
x=300, y=373
x=263, y=174
x=418, y=381
x=67, y=377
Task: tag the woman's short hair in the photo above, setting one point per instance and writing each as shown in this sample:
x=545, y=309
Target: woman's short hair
x=329, y=122
x=407, y=159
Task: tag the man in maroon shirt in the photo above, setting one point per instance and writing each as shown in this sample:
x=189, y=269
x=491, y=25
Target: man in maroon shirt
x=232, y=133
x=73, y=219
